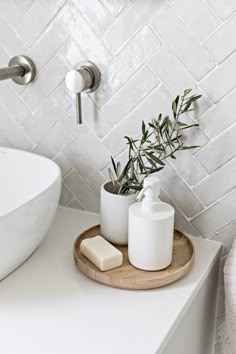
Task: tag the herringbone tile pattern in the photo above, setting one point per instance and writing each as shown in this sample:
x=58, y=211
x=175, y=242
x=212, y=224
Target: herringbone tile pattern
x=147, y=51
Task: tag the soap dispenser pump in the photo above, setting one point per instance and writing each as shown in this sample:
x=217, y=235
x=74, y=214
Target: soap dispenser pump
x=151, y=229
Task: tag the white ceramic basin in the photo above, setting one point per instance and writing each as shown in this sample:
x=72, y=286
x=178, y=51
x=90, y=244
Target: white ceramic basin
x=30, y=188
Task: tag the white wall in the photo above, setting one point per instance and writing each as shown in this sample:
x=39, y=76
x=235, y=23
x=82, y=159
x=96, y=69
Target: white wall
x=147, y=51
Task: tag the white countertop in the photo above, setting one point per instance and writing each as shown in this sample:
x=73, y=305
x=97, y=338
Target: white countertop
x=48, y=307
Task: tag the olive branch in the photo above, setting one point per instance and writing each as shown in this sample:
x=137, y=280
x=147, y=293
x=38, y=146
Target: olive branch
x=160, y=139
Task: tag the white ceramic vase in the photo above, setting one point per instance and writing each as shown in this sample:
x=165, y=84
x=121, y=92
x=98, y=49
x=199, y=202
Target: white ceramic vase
x=114, y=211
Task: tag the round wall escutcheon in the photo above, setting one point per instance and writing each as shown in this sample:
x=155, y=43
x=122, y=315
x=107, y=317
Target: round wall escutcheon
x=29, y=67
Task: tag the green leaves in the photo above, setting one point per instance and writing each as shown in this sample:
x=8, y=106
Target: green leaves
x=185, y=126
x=155, y=159
x=161, y=138
x=154, y=170
x=175, y=106
x=188, y=147
x=114, y=165
x=143, y=128
x=187, y=91
x=187, y=103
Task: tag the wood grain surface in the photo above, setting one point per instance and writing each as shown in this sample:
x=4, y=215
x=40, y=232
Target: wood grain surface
x=129, y=277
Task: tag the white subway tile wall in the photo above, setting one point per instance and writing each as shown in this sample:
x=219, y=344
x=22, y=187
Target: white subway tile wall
x=147, y=51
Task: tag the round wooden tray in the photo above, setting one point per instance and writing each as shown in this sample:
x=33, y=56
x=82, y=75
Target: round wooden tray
x=129, y=277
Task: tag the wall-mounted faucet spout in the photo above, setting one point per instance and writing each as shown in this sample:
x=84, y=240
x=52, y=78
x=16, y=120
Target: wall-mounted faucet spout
x=21, y=70
x=11, y=72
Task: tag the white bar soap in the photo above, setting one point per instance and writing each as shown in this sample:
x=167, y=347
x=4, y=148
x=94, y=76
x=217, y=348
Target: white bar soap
x=101, y=253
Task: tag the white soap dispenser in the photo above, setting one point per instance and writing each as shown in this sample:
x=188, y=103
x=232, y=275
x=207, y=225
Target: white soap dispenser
x=151, y=229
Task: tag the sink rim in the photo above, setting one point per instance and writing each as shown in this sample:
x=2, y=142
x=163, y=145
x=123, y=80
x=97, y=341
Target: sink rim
x=58, y=175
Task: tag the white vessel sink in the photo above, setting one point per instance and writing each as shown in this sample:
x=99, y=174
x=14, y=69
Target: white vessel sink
x=30, y=188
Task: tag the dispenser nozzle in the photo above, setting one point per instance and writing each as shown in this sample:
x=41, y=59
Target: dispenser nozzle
x=151, y=190
x=141, y=194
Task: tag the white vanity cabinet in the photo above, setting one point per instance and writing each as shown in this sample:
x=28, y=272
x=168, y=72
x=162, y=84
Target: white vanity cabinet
x=47, y=306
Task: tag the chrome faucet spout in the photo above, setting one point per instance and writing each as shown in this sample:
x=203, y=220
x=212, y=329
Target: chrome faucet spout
x=11, y=72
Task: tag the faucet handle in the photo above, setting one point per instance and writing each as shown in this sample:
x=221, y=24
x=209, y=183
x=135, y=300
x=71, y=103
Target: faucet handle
x=79, y=80
x=85, y=77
